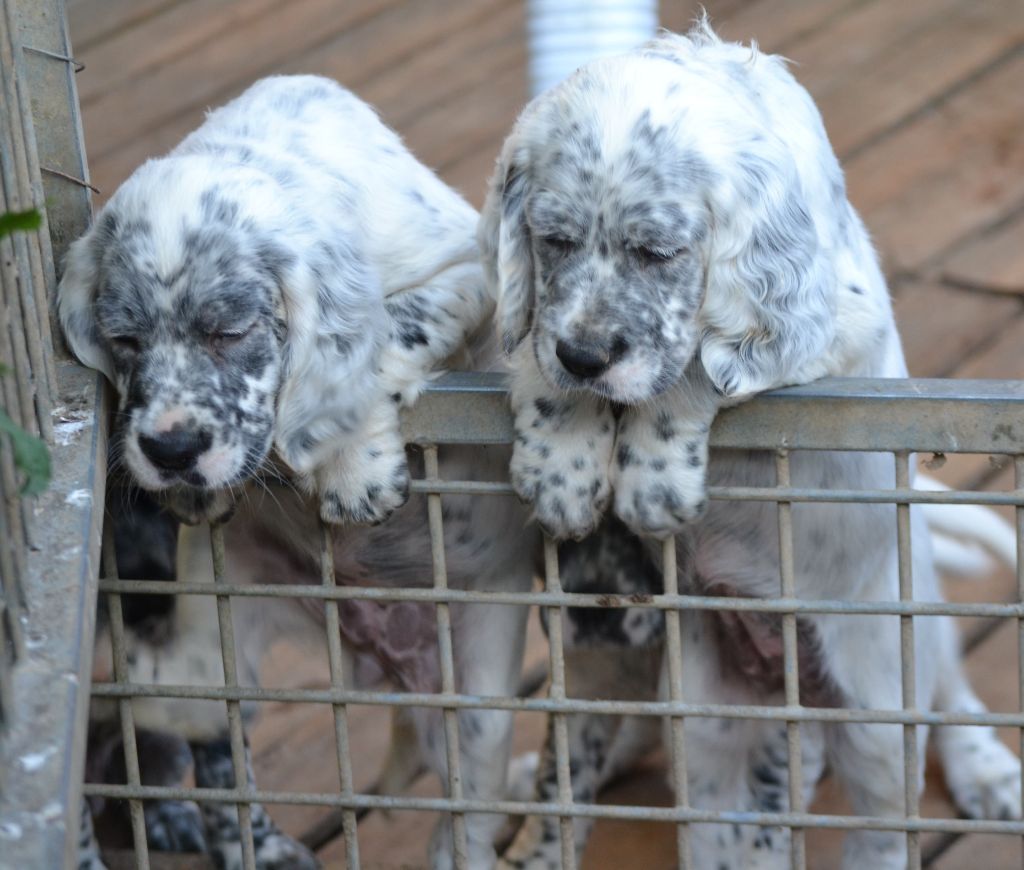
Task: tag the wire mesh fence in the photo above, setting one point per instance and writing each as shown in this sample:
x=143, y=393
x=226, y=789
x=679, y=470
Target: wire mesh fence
x=896, y=417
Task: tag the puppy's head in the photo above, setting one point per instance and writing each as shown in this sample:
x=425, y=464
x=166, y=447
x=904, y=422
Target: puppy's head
x=214, y=312
x=645, y=212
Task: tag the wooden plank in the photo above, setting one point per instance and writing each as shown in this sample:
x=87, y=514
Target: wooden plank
x=946, y=175
x=775, y=24
x=480, y=116
x=183, y=28
x=445, y=71
x=376, y=46
x=993, y=262
x=91, y=21
x=255, y=47
x=848, y=45
x=951, y=42
x=966, y=321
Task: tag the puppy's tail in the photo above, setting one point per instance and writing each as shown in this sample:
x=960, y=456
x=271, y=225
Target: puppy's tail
x=966, y=539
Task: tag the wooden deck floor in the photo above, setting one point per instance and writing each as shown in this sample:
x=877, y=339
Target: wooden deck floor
x=924, y=102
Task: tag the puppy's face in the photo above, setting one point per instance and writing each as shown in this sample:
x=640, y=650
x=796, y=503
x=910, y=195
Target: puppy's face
x=191, y=318
x=617, y=226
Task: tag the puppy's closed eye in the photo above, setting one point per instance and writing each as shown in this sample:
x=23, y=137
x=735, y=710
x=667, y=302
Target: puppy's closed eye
x=558, y=244
x=222, y=339
x=656, y=254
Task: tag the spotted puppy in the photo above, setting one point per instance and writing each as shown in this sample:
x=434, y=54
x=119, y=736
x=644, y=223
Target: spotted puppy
x=265, y=298
x=669, y=233
x=275, y=300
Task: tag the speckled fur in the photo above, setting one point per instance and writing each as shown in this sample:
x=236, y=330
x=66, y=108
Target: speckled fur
x=262, y=287
x=679, y=213
x=284, y=282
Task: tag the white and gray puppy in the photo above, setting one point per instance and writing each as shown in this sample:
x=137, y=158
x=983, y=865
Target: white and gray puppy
x=669, y=233
x=253, y=290
x=265, y=298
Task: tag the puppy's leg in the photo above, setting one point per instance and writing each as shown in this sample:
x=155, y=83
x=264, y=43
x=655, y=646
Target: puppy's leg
x=488, y=649
x=735, y=765
x=171, y=826
x=613, y=653
x=274, y=850
x=367, y=477
x=981, y=772
x=868, y=758
x=88, y=849
x=537, y=845
x=562, y=453
x=661, y=457
x=429, y=324
x=743, y=766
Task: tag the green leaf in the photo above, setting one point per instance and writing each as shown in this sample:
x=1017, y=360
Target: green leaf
x=24, y=221
x=30, y=455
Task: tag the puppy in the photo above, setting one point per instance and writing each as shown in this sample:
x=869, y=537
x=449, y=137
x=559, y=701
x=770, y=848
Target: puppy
x=669, y=234
x=265, y=299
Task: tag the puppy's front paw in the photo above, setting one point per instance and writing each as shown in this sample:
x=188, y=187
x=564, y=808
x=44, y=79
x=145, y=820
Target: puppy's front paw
x=367, y=478
x=659, y=482
x=174, y=826
x=368, y=490
x=560, y=464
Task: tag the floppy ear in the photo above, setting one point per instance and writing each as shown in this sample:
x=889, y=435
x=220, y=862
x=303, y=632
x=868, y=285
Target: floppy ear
x=504, y=238
x=336, y=325
x=769, y=309
x=76, y=302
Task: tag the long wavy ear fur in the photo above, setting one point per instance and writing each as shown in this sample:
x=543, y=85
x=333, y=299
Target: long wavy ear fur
x=76, y=302
x=504, y=238
x=336, y=326
x=769, y=308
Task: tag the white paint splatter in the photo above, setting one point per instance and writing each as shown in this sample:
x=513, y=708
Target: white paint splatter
x=35, y=760
x=78, y=498
x=10, y=830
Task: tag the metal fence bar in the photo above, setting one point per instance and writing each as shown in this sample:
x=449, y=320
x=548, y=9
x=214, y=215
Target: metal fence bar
x=859, y=414
x=445, y=653
x=556, y=691
x=126, y=714
x=1018, y=477
x=908, y=671
x=674, y=650
x=1010, y=610
x=235, y=733
x=336, y=662
x=669, y=815
x=1011, y=498
x=791, y=663
x=659, y=709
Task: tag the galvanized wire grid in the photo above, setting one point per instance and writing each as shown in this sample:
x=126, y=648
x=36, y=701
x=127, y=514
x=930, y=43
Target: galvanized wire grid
x=477, y=426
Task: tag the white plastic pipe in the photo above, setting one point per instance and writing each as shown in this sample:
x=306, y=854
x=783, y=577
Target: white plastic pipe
x=566, y=34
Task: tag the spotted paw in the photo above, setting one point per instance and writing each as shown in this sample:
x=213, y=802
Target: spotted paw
x=985, y=782
x=560, y=465
x=174, y=826
x=274, y=851
x=365, y=480
x=660, y=488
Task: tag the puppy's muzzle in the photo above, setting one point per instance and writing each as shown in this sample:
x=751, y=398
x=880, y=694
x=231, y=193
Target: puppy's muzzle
x=177, y=449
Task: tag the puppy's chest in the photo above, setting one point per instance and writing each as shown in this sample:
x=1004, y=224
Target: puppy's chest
x=750, y=647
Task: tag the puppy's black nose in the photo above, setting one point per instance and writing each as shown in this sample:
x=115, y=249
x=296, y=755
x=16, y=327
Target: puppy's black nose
x=583, y=359
x=176, y=449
